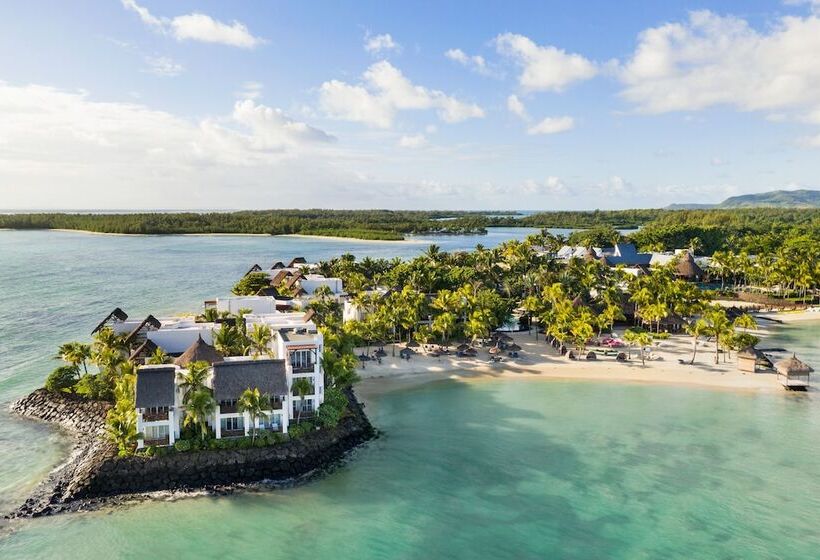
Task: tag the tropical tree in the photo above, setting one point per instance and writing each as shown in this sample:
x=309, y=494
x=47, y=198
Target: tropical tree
x=340, y=369
x=159, y=357
x=64, y=378
x=76, y=354
x=192, y=379
x=260, y=337
x=229, y=340
x=198, y=409
x=697, y=329
x=121, y=419
x=718, y=326
x=301, y=387
x=255, y=404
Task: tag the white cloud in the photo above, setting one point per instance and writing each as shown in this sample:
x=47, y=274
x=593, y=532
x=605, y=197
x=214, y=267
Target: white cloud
x=516, y=107
x=552, y=185
x=712, y=60
x=552, y=125
x=476, y=63
x=544, y=68
x=375, y=44
x=718, y=162
x=384, y=91
x=163, y=66
x=414, y=141
x=250, y=90
x=197, y=27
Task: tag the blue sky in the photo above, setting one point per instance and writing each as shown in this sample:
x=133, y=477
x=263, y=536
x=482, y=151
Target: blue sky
x=463, y=105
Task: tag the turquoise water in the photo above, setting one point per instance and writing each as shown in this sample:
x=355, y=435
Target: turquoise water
x=510, y=469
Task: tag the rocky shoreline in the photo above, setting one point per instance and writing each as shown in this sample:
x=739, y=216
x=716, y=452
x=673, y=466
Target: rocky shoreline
x=93, y=475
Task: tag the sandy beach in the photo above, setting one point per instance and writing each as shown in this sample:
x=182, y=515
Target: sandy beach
x=538, y=360
x=338, y=238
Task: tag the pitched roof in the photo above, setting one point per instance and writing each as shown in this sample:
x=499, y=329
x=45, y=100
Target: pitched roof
x=293, y=279
x=117, y=313
x=155, y=386
x=793, y=366
x=687, y=267
x=297, y=260
x=254, y=268
x=232, y=378
x=270, y=291
x=590, y=254
x=199, y=351
x=149, y=321
x=277, y=264
x=279, y=277
x=145, y=349
x=307, y=317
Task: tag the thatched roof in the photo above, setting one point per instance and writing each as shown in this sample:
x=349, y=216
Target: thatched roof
x=748, y=352
x=270, y=291
x=277, y=264
x=143, y=350
x=687, y=267
x=279, y=277
x=232, y=378
x=793, y=366
x=155, y=386
x=307, y=317
x=297, y=261
x=254, y=268
x=118, y=314
x=293, y=279
x=147, y=323
x=199, y=351
x=590, y=254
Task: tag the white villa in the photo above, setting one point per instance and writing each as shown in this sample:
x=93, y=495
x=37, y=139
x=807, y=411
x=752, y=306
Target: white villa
x=295, y=352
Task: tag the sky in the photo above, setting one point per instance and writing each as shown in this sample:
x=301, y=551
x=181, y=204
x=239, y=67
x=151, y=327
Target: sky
x=148, y=104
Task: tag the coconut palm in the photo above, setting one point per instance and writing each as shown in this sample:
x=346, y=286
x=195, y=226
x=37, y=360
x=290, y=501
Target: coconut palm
x=717, y=326
x=158, y=357
x=255, y=404
x=121, y=420
x=193, y=379
x=260, y=337
x=696, y=329
x=198, y=409
x=301, y=387
x=229, y=340
x=76, y=354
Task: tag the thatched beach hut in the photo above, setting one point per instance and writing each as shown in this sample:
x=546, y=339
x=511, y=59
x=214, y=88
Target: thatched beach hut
x=793, y=373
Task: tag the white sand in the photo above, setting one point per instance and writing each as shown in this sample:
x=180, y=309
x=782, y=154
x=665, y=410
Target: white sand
x=537, y=360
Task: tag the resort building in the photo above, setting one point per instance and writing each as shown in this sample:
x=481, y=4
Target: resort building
x=231, y=378
x=157, y=405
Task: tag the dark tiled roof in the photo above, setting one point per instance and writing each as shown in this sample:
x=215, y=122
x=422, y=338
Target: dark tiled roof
x=254, y=268
x=232, y=378
x=117, y=313
x=279, y=277
x=277, y=264
x=199, y=351
x=297, y=260
x=155, y=386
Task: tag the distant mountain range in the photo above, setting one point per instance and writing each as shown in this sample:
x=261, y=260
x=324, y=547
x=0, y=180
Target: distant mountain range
x=803, y=198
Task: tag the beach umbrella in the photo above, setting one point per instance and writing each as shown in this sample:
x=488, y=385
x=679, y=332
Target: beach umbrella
x=514, y=348
x=504, y=337
x=462, y=347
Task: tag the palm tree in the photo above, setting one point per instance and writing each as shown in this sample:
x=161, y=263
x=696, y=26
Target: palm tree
x=696, y=329
x=193, y=379
x=198, y=409
x=255, y=404
x=229, y=340
x=159, y=357
x=76, y=354
x=718, y=326
x=260, y=337
x=301, y=387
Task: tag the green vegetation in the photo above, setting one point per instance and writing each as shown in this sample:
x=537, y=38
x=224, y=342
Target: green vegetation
x=361, y=224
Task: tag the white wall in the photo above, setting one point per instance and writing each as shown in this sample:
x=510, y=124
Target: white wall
x=311, y=282
x=257, y=304
x=177, y=340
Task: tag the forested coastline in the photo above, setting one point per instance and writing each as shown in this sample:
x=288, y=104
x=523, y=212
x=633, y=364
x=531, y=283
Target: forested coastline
x=755, y=230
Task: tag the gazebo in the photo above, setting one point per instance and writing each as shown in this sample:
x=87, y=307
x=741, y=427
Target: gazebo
x=750, y=360
x=687, y=268
x=793, y=373
x=199, y=351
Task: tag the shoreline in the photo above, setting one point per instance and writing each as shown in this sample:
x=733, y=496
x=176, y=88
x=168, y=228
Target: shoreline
x=539, y=361
x=339, y=238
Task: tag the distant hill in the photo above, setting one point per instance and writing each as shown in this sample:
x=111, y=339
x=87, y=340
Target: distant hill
x=803, y=198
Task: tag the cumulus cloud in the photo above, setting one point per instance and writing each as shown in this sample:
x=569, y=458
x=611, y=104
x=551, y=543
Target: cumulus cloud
x=413, y=141
x=516, y=107
x=250, y=90
x=197, y=27
x=552, y=125
x=544, y=68
x=383, y=92
x=712, y=60
x=375, y=44
x=163, y=66
x=551, y=185
x=476, y=62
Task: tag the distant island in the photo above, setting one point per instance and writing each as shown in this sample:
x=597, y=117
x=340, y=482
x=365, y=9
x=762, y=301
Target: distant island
x=802, y=198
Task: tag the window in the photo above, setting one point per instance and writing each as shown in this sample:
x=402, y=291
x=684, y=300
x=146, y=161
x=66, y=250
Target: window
x=156, y=432
x=232, y=424
x=301, y=359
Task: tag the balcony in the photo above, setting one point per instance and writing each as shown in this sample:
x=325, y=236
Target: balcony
x=233, y=433
x=304, y=368
x=155, y=416
x=228, y=408
x=155, y=442
x=276, y=405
